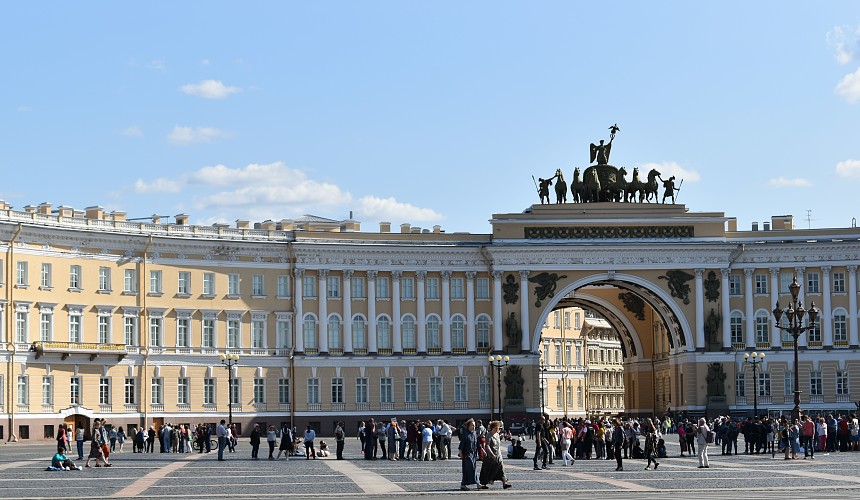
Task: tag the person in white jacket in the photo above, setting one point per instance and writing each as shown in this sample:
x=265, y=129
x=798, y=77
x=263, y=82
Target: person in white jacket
x=702, y=440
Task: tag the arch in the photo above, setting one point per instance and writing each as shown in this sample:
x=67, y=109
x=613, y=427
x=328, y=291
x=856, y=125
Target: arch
x=665, y=306
x=630, y=344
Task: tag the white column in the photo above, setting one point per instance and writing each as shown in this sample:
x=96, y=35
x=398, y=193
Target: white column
x=347, y=310
x=749, y=312
x=826, y=312
x=776, y=333
x=471, y=342
x=852, y=307
x=446, y=311
x=700, y=310
x=298, y=275
x=524, y=312
x=498, y=320
x=803, y=340
x=322, y=301
x=396, y=340
x=726, y=308
x=371, y=310
x=421, y=311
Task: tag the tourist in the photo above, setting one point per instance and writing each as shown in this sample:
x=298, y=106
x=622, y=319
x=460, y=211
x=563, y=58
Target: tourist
x=339, y=440
x=541, y=443
x=651, y=444
x=96, y=446
x=255, y=442
x=794, y=439
x=79, y=440
x=493, y=467
x=427, y=442
x=469, y=456
x=701, y=434
x=120, y=437
x=618, y=438
x=221, y=432
x=286, y=446
x=392, y=434
x=310, y=436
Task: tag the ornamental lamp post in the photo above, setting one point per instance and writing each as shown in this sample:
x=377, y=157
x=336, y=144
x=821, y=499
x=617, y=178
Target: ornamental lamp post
x=498, y=362
x=795, y=314
x=229, y=361
x=754, y=360
x=542, y=369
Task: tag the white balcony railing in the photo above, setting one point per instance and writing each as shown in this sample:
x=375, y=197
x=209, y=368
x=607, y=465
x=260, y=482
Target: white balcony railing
x=157, y=408
x=411, y=406
x=106, y=408
x=132, y=409
x=386, y=406
x=210, y=407
x=314, y=407
x=183, y=407
x=284, y=407
x=816, y=398
x=338, y=407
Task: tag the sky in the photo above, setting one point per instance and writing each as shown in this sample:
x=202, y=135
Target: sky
x=426, y=112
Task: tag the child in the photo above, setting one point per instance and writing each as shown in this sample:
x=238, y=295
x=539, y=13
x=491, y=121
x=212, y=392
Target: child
x=661, y=448
x=323, y=451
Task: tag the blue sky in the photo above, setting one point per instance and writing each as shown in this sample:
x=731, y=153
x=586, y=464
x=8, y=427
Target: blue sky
x=426, y=112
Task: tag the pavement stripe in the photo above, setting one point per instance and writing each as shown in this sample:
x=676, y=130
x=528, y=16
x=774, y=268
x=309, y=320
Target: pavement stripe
x=369, y=482
x=149, y=480
x=627, y=485
x=21, y=463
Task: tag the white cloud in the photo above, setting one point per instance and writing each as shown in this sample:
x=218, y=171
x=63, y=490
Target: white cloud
x=160, y=185
x=784, y=182
x=157, y=65
x=190, y=135
x=209, y=89
x=844, y=45
x=668, y=169
x=390, y=209
x=848, y=168
x=132, y=131
x=849, y=87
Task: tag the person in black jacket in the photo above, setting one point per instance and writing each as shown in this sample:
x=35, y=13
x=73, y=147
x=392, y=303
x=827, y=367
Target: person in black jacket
x=255, y=441
x=618, y=438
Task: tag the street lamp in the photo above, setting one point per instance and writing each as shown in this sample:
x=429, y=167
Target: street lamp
x=499, y=362
x=229, y=361
x=795, y=314
x=542, y=371
x=754, y=360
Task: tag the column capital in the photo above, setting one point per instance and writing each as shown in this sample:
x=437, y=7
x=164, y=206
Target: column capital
x=725, y=272
x=524, y=274
x=699, y=272
x=299, y=273
x=347, y=274
x=470, y=275
x=446, y=275
x=322, y=274
x=420, y=275
x=371, y=275
x=396, y=275
x=749, y=272
x=774, y=271
x=825, y=270
x=497, y=275
x=851, y=269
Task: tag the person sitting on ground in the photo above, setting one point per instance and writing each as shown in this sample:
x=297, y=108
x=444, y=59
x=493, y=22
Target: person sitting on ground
x=323, y=451
x=61, y=462
x=637, y=451
x=661, y=448
x=516, y=450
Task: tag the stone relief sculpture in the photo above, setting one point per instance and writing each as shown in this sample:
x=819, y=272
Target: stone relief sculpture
x=712, y=328
x=677, y=283
x=513, y=331
x=634, y=304
x=716, y=380
x=514, y=383
x=546, y=284
x=712, y=287
x=511, y=289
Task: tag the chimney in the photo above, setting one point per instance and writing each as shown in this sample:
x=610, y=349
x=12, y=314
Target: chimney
x=4, y=205
x=97, y=213
x=755, y=226
x=405, y=227
x=384, y=227
x=782, y=222
x=242, y=224
x=156, y=219
x=437, y=229
x=30, y=209
x=732, y=224
x=65, y=211
x=117, y=216
x=287, y=225
x=181, y=219
x=766, y=226
x=44, y=208
x=268, y=225
x=415, y=230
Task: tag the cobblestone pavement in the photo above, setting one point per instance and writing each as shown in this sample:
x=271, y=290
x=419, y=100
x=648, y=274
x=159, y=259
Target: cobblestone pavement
x=23, y=475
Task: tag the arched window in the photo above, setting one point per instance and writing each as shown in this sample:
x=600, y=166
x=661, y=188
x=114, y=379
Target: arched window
x=736, y=325
x=840, y=327
x=434, y=339
x=407, y=333
x=762, y=329
x=458, y=334
x=309, y=332
x=482, y=333
x=335, y=339
x=383, y=334
x=359, y=334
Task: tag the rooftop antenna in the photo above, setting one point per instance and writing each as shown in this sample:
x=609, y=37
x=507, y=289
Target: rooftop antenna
x=809, y=219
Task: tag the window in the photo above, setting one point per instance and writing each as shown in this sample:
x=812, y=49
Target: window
x=383, y=333
x=410, y=390
x=558, y=401
x=382, y=291
x=23, y=390
x=208, y=332
x=47, y=391
x=431, y=286
x=104, y=390
x=359, y=333
x=233, y=334
x=434, y=340
x=209, y=391
x=736, y=326
x=407, y=288
x=21, y=278
x=284, y=391
x=46, y=276
x=157, y=391
x=75, y=391
x=156, y=337
x=386, y=390
x=235, y=392
x=567, y=355
x=435, y=389
x=337, y=390
x=788, y=383
x=569, y=394
x=104, y=279
x=557, y=349
x=812, y=283
x=233, y=285
x=361, y=390
x=334, y=337
x=840, y=328
x=283, y=285
x=332, y=288
x=461, y=392
x=309, y=331
x=258, y=333
x=357, y=289
x=482, y=290
x=760, y=284
x=458, y=333
x=407, y=333
x=579, y=396
x=842, y=383
x=578, y=356
x=259, y=390
x=457, y=289
x=577, y=321
x=257, y=287
x=482, y=333
x=484, y=389
x=75, y=277
x=75, y=328
x=130, y=391
x=762, y=328
x=183, y=332
x=183, y=391
x=735, y=285
x=22, y=334
x=129, y=282
x=309, y=286
x=104, y=329
x=740, y=385
x=815, y=383
x=812, y=335
x=209, y=284
x=838, y=282
x=566, y=319
x=183, y=287
x=556, y=319
x=763, y=384
x=155, y=287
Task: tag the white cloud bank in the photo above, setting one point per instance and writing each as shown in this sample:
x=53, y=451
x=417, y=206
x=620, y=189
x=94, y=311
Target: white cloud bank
x=184, y=136
x=209, y=89
x=783, y=182
x=668, y=169
x=849, y=87
x=845, y=43
x=848, y=168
